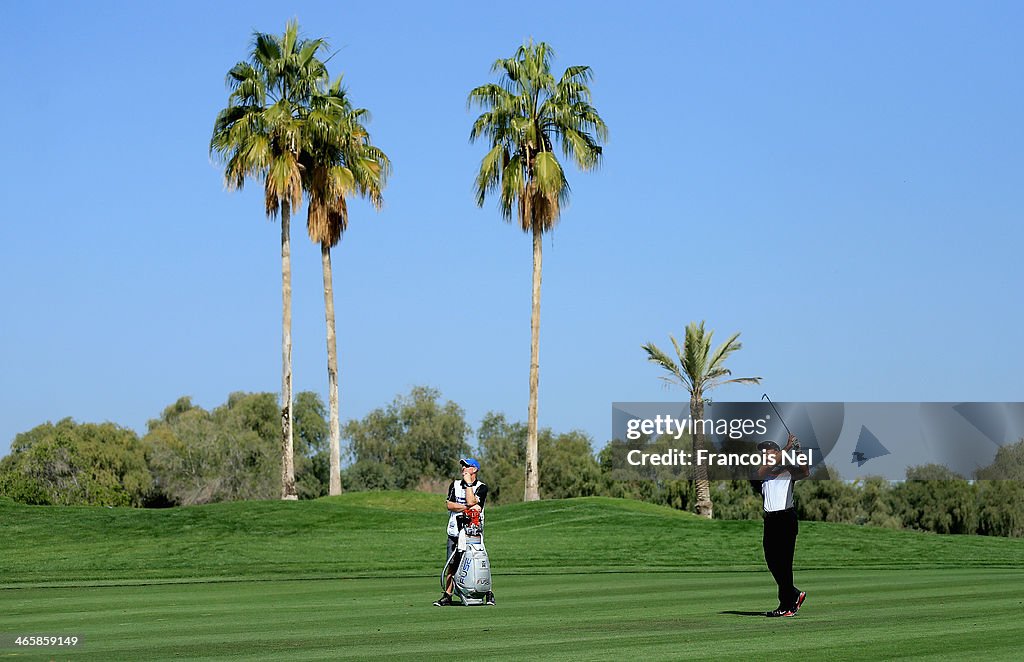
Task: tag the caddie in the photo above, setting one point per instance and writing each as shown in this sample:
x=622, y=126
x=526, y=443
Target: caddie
x=465, y=494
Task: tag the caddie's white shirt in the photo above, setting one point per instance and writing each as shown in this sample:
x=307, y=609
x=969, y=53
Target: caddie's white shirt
x=778, y=492
x=460, y=497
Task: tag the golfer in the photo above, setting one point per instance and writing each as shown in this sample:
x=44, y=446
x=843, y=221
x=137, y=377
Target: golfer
x=465, y=494
x=780, y=523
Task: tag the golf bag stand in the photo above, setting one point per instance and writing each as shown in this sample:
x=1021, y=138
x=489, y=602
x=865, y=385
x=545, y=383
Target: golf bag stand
x=469, y=564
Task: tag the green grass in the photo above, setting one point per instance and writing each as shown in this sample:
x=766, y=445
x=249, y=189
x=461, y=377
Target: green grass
x=353, y=577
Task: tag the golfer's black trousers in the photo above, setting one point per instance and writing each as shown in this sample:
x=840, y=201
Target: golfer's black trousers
x=780, y=529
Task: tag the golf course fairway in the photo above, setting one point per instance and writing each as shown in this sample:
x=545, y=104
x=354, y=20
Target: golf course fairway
x=352, y=577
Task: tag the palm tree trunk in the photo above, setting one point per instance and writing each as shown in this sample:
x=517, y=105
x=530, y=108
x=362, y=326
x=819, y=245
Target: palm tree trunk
x=287, y=442
x=532, y=477
x=332, y=370
x=704, y=505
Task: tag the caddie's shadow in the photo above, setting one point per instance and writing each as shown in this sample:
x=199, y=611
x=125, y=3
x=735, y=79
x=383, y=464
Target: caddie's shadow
x=743, y=613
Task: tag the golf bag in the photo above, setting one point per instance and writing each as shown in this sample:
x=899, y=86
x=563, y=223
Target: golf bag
x=469, y=565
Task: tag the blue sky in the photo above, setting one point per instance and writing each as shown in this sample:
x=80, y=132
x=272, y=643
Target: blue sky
x=839, y=181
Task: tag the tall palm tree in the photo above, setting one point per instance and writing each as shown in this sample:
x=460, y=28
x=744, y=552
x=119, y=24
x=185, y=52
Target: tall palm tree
x=340, y=162
x=698, y=370
x=261, y=134
x=524, y=115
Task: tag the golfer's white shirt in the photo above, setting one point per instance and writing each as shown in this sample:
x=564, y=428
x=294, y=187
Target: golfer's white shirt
x=778, y=492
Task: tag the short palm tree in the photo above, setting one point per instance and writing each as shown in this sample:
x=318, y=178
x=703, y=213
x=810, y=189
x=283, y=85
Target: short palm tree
x=341, y=161
x=524, y=116
x=698, y=370
x=261, y=134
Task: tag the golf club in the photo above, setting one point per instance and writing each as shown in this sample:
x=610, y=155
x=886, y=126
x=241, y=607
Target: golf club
x=764, y=396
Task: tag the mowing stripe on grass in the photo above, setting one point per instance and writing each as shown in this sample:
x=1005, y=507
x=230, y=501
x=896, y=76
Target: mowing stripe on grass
x=850, y=614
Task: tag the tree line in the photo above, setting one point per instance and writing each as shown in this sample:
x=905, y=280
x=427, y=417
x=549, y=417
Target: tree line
x=187, y=456
x=190, y=455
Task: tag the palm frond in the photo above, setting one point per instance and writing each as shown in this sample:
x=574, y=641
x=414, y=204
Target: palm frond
x=548, y=174
x=743, y=380
x=489, y=177
x=660, y=358
x=725, y=349
x=513, y=184
x=694, y=354
x=577, y=75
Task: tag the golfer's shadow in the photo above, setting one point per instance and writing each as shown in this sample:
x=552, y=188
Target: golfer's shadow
x=743, y=613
